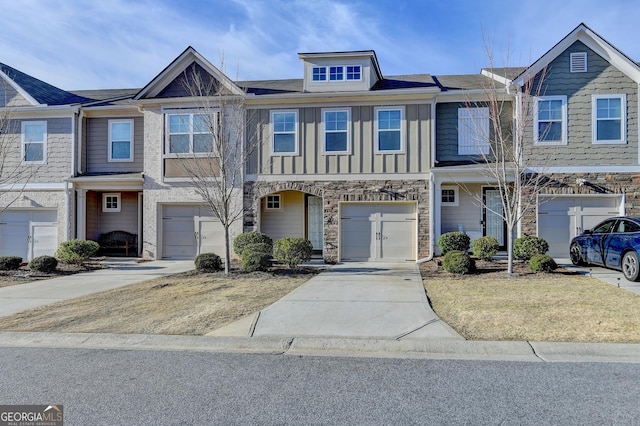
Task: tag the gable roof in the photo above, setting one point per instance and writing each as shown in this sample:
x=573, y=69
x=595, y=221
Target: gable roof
x=178, y=66
x=37, y=92
x=593, y=41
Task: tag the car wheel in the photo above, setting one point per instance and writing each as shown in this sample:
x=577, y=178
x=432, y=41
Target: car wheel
x=630, y=266
x=576, y=255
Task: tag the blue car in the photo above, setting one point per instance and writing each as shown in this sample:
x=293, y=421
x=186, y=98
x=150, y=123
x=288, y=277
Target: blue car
x=613, y=243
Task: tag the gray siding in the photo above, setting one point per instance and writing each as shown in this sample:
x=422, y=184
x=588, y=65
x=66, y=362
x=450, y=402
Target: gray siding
x=362, y=159
x=124, y=220
x=9, y=97
x=601, y=78
x=96, y=147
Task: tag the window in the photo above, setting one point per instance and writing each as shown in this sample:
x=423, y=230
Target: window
x=449, y=196
x=627, y=226
x=550, y=127
x=605, y=227
x=190, y=133
x=319, y=74
x=608, y=124
x=578, y=62
x=284, y=132
x=110, y=203
x=389, y=134
x=353, y=72
x=34, y=142
x=336, y=73
x=120, y=140
x=273, y=202
x=336, y=130
x=473, y=131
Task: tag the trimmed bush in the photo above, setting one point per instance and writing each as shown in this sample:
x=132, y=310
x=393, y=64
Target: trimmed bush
x=292, y=251
x=453, y=241
x=208, y=262
x=256, y=257
x=76, y=251
x=485, y=247
x=458, y=262
x=253, y=237
x=542, y=263
x=45, y=264
x=525, y=247
x=10, y=263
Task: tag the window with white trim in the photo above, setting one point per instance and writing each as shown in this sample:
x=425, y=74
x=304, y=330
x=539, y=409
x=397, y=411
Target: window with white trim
x=608, y=113
x=336, y=124
x=111, y=202
x=578, y=61
x=120, y=141
x=34, y=142
x=319, y=74
x=354, y=72
x=449, y=196
x=473, y=131
x=389, y=132
x=190, y=133
x=284, y=132
x=336, y=73
x=550, y=120
x=273, y=202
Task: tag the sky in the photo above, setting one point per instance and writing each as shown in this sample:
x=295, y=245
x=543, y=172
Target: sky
x=98, y=44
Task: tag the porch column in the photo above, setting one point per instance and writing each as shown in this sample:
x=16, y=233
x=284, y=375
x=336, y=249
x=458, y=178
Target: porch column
x=81, y=214
x=437, y=226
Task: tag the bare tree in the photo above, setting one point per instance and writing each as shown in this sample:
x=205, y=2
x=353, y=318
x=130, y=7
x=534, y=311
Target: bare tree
x=505, y=144
x=219, y=152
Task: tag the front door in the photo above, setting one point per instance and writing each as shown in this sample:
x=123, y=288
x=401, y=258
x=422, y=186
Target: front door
x=493, y=224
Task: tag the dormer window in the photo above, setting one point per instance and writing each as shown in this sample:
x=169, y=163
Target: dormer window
x=319, y=74
x=336, y=73
x=353, y=72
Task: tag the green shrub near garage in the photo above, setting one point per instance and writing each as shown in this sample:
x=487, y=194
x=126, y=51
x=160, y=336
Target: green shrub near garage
x=525, y=247
x=453, y=241
x=76, y=251
x=45, y=264
x=542, y=263
x=208, y=262
x=292, y=251
x=485, y=247
x=10, y=263
x=458, y=262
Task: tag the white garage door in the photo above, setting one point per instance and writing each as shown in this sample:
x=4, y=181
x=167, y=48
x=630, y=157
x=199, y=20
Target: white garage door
x=562, y=218
x=377, y=232
x=190, y=230
x=28, y=233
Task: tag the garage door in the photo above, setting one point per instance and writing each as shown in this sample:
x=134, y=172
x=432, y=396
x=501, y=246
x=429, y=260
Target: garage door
x=28, y=233
x=560, y=219
x=190, y=230
x=377, y=232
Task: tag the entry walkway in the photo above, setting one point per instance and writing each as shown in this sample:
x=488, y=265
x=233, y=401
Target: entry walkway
x=363, y=300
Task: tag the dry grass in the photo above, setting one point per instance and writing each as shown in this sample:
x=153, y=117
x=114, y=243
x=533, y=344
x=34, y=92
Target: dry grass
x=540, y=307
x=188, y=303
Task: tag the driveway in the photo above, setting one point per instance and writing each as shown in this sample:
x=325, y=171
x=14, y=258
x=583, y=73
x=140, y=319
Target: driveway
x=368, y=300
x=610, y=276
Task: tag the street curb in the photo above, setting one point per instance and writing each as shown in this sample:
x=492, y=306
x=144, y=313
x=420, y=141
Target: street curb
x=308, y=346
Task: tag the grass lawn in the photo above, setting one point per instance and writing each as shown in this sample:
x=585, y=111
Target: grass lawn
x=559, y=306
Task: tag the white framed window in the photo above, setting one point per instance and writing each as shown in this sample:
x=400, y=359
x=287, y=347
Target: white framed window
x=336, y=125
x=120, y=141
x=190, y=133
x=578, y=62
x=473, y=131
x=336, y=73
x=449, y=196
x=34, y=142
x=389, y=130
x=273, y=202
x=354, y=72
x=608, y=119
x=111, y=202
x=284, y=132
x=319, y=74
x=550, y=120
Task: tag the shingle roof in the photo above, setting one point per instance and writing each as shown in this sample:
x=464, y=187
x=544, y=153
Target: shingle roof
x=42, y=92
x=466, y=82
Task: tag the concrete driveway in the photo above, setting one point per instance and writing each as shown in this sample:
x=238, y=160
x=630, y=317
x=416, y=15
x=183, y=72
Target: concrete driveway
x=366, y=300
x=610, y=276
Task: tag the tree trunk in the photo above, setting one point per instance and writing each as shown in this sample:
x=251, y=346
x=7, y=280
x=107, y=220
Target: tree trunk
x=227, y=251
x=510, y=252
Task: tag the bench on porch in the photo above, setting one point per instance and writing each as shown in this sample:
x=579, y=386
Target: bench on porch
x=119, y=241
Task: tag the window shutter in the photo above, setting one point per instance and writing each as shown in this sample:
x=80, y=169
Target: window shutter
x=579, y=62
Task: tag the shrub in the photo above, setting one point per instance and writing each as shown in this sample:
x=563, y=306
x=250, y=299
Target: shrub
x=453, y=241
x=485, y=247
x=208, y=262
x=527, y=246
x=248, y=238
x=292, y=251
x=44, y=264
x=458, y=262
x=542, y=263
x=76, y=251
x=256, y=257
x=10, y=263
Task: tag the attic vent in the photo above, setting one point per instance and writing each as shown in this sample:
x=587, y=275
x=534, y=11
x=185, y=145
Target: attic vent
x=579, y=62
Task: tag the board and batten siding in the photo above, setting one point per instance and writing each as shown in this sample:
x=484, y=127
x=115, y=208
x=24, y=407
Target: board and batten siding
x=97, y=150
x=601, y=78
x=362, y=158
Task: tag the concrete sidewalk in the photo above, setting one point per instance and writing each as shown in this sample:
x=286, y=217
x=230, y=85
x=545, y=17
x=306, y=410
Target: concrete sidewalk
x=354, y=300
x=121, y=272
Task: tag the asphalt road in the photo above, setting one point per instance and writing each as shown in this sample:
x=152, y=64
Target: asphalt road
x=121, y=387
